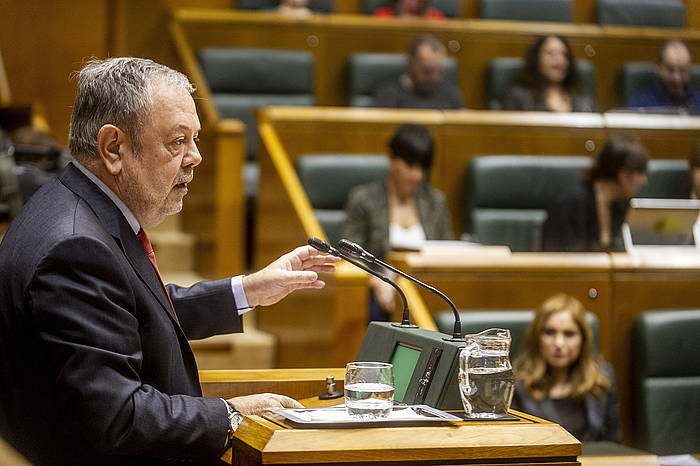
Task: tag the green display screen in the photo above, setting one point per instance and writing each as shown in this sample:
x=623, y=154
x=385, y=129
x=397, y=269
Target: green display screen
x=404, y=360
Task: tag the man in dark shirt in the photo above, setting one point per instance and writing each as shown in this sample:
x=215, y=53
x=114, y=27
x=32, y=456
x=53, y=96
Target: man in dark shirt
x=672, y=87
x=422, y=86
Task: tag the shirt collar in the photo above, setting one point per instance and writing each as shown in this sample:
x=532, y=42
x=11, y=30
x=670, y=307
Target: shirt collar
x=130, y=217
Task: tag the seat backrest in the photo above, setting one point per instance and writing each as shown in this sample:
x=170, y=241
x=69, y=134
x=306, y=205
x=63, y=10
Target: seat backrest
x=668, y=179
x=451, y=8
x=242, y=79
x=506, y=196
x=658, y=13
x=501, y=72
x=530, y=10
x=319, y=6
x=329, y=178
x=667, y=381
x=474, y=321
x=636, y=76
x=367, y=71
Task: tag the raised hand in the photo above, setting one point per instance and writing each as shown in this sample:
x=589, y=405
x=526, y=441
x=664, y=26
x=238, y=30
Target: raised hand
x=295, y=270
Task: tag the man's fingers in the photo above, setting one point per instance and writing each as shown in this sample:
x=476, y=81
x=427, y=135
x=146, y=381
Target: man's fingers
x=287, y=402
x=322, y=268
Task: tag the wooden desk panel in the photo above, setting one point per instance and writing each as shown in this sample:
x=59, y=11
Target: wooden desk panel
x=295, y=383
x=526, y=441
x=517, y=281
x=666, y=138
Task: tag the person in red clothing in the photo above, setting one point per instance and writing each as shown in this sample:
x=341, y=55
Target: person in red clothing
x=409, y=9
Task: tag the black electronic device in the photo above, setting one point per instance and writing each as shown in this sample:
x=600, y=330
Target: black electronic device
x=426, y=365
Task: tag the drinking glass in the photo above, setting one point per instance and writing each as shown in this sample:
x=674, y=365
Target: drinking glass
x=369, y=389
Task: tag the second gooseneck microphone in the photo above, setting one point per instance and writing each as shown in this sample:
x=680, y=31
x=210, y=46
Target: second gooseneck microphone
x=355, y=250
x=322, y=246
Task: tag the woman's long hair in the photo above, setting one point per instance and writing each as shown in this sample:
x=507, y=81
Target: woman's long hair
x=531, y=368
x=620, y=153
x=530, y=77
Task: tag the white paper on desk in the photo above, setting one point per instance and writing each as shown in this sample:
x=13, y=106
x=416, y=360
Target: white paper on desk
x=341, y=415
x=678, y=460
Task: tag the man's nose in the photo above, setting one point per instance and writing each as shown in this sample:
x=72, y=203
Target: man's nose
x=193, y=156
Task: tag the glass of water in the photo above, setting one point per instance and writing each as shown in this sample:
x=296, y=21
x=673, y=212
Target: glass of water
x=369, y=389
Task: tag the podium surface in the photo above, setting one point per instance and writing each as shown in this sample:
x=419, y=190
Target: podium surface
x=527, y=440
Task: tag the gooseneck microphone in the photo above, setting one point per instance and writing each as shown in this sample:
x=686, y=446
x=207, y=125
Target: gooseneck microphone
x=322, y=246
x=355, y=250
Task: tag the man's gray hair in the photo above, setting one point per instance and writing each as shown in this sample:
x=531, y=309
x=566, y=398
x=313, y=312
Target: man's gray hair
x=116, y=91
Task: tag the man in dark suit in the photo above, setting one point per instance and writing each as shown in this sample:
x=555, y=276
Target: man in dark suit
x=95, y=367
x=671, y=92
x=422, y=85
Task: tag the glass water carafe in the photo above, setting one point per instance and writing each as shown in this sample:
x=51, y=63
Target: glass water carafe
x=486, y=380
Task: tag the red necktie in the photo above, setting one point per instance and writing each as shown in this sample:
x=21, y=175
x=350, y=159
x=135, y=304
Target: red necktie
x=148, y=248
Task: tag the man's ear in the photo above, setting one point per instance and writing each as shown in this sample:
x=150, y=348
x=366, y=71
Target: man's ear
x=110, y=145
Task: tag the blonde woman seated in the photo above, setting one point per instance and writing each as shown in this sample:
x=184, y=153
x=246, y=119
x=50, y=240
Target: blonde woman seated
x=559, y=378
x=399, y=212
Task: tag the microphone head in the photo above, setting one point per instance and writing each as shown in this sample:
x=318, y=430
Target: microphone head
x=348, y=247
x=318, y=243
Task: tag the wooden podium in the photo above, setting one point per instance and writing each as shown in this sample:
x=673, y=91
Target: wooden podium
x=528, y=440
x=267, y=440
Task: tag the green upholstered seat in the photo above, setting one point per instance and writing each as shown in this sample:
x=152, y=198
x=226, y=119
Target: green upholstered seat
x=656, y=13
x=668, y=179
x=367, y=71
x=329, y=178
x=636, y=76
x=529, y=10
x=474, y=321
x=506, y=196
x=241, y=80
x=451, y=8
x=501, y=72
x=318, y=6
x=667, y=381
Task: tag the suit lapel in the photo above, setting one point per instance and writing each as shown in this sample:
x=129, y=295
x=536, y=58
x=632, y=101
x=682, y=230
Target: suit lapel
x=115, y=223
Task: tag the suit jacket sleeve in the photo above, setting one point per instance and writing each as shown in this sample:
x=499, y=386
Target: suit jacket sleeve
x=357, y=225
x=86, y=313
x=444, y=222
x=206, y=309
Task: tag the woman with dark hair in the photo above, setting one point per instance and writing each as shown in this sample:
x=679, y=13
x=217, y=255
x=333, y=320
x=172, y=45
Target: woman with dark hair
x=399, y=212
x=589, y=216
x=549, y=80
x=409, y=9
x=560, y=379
